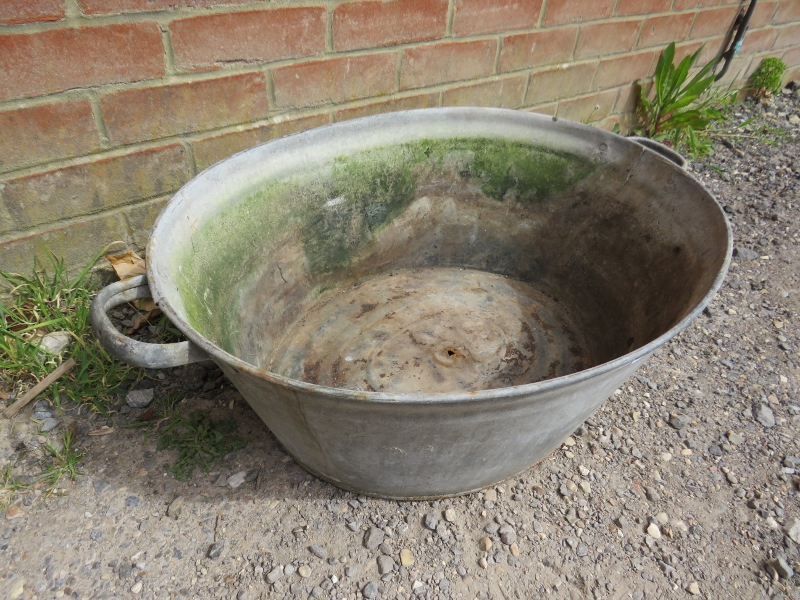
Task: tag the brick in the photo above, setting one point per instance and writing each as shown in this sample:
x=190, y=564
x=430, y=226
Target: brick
x=376, y=108
x=788, y=12
x=562, y=82
x=441, y=63
x=599, y=39
x=489, y=16
x=627, y=98
x=589, y=108
x=559, y=12
x=715, y=21
x=660, y=31
x=157, y=112
x=764, y=12
x=30, y=11
x=42, y=133
x=335, y=80
x=536, y=49
x=210, y=150
x=95, y=7
x=545, y=109
x=503, y=93
x=642, y=7
x=791, y=57
x=711, y=49
x=94, y=186
x=375, y=23
x=787, y=37
x=259, y=35
x=139, y=220
x=623, y=70
x=760, y=40
x=689, y=4
x=737, y=69
x=32, y=64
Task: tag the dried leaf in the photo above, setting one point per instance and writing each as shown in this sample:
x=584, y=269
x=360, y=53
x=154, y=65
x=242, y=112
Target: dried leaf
x=3, y=396
x=147, y=305
x=104, y=430
x=140, y=319
x=127, y=265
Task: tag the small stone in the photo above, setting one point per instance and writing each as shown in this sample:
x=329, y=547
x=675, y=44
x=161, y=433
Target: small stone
x=582, y=550
x=679, y=421
x=483, y=563
x=665, y=456
x=765, y=416
x=569, y=442
x=686, y=452
x=275, y=574
x=662, y=518
x=351, y=571
x=653, y=531
x=237, y=479
x=431, y=521
x=693, y=588
x=792, y=529
x=54, y=343
x=139, y=398
x=449, y=515
x=318, y=551
x=652, y=494
x=370, y=590
x=132, y=501
x=406, y=558
x=288, y=570
x=17, y=588
x=586, y=487
x=507, y=534
x=373, y=538
x=386, y=564
x=746, y=254
x=175, y=508
x=490, y=495
x=136, y=587
x=49, y=424
x=215, y=550
x=514, y=549
x=778, y=566
x=14, y=511
x=485, y=544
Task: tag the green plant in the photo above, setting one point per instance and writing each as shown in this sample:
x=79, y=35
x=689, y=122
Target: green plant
x=63, y=461
x=199, y=440
x=10, y=486
x=766, y=79
x=682, y=108
x=46, y=303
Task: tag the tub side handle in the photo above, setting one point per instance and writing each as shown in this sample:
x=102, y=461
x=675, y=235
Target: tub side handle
x=661, y=149
x=135, y=353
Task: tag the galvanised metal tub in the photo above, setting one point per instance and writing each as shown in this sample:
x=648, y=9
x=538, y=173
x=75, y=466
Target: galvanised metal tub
x=424, y=303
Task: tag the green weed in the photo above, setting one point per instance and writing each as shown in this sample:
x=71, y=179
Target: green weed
x=766, y=79
x=62, y=462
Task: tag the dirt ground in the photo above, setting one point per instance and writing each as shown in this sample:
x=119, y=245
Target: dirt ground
x=685, y=483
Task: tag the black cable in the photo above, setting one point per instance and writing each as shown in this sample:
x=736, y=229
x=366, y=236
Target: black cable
x=740, y=26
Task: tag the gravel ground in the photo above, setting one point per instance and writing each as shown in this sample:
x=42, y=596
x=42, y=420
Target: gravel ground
x=685, y=483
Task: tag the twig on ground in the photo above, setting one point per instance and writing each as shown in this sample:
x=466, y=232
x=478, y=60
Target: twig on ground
x=38, y=388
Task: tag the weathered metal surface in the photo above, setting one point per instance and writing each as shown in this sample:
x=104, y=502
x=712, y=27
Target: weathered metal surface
x=424, y=303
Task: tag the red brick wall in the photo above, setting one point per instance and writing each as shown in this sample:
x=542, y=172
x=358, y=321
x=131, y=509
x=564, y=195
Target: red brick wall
x=108, y=106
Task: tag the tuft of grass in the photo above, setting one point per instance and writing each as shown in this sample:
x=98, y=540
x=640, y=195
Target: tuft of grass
x=49, y=301
x=199, y=441
x=10, y=486
x=767, y=78
x=62, y=462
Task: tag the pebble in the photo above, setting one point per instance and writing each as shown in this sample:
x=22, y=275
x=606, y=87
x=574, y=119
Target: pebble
x=792, y=529
x=237, y=479
x=485, y=544
x=653, y=531
x=386, y=564
x=431, y=521
x=136, y=587
x=765, y=416
x=693, y=588
x=275, y=574
x=318, y=551
x=746, y=254
x=652, y=494
x=175, y=508
x=49, y=424
x=373, y=538
x=54, y=343
x=778, y=566
x=406, y=558
x=662, y=518
x=514, y=549
x=370, y=590
x=679, y=421
x=215, y=550
x=449, y=515
x=288, y=570
x=490, y=495
x=139, y=398
x=507, y=534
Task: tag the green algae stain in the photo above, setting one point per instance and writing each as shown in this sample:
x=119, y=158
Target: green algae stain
x=334, y=212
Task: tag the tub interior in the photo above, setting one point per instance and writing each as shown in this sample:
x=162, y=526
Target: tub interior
x=442, y=263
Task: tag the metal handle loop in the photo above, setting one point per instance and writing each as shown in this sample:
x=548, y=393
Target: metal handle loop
x=135, y=353
x=661, y=149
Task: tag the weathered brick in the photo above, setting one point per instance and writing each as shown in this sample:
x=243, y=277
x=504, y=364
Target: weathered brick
x=712, y=48
x=788, y=36
x=335, y=80
x=120, y=6
x=764, y=12
x=549, y=109
x=503, y=93
x=562, y=82
x=689, y=4
x=760, y=40
x=589, y=108
x=47, y=132
x=376, y=108
x=536, y=49
x=642, y=7
x=791, y=57
x=139, y=219
x=623, y=70
x=32, y=64
x=737, y=69
x=788, y=12
x=94, y=186
x=627, y=98
x=29, y=11
x=375, y=23
x=599, y=39
x=259, y=35
x=488, y=16
x=210, y=150
x=441, y=63
x=156, y=112
x=569, y=11
x=714, y=21
x=658, y=31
